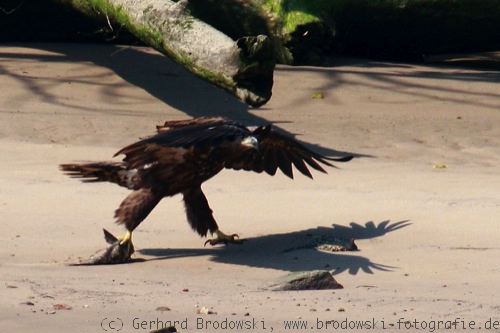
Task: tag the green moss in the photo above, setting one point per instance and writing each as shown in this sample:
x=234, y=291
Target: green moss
x=293, y=19
x=118, y=16
x=294, y=13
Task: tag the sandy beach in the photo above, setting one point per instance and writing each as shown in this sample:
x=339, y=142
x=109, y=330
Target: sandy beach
x=422, y=198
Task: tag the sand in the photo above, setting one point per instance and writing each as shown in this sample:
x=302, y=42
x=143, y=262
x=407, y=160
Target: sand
x=422, y=200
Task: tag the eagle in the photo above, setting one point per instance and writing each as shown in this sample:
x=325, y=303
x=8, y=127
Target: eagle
x=182, y=155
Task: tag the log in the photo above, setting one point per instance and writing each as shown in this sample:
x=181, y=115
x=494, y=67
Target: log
x=243, y=67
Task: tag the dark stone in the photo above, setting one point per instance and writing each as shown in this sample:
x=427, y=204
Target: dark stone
x=309, y=280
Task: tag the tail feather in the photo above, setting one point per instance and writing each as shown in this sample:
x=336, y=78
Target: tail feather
x=113, y=172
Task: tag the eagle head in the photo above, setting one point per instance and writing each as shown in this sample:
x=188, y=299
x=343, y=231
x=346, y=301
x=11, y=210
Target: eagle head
x=250, y=141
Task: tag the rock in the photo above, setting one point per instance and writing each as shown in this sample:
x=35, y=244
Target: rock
x=309, y=280
x=163, y=308
x=327, y=243
x=339, y=246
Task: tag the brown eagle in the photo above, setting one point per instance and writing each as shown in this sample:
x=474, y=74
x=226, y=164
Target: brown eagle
x=186, y=153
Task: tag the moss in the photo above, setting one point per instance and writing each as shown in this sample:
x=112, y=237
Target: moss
x=295, y=18
x=294, y=13
x=303, y=27
x=118, y=16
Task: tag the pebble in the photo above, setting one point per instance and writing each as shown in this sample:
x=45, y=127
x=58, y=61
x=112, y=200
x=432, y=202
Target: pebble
x=61, y=307
x=205, y=311
x=163, y=308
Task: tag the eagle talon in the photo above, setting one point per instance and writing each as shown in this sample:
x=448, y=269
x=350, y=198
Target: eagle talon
x=222, y=238
x=126, y=239
x=126, y=243
x=118, y=252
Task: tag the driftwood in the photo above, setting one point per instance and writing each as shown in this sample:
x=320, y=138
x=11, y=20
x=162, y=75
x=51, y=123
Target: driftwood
x=243, y=67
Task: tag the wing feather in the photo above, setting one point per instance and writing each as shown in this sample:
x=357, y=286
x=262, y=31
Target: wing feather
x=277, y=150
x=300, y=165
x=269, y=162
x=312, y=163
x=284, y=163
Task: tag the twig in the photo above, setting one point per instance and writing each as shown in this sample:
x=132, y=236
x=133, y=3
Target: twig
x=121, y=49
x=8, y=12
x=109, y=23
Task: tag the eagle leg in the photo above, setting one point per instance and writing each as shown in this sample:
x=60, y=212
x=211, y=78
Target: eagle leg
x=222, y=238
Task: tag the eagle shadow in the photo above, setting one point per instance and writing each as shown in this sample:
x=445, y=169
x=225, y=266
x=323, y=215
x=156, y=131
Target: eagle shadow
x=294, y=251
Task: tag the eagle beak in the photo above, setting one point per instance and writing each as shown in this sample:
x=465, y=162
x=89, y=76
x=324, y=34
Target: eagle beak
x=250, y=141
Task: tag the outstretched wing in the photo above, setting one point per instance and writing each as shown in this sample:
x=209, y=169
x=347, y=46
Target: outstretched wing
x=276, y=150
x=177, y=138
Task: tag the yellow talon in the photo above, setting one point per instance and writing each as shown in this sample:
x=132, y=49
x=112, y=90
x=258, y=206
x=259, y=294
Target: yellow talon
x=127, y=238
x=223, y=238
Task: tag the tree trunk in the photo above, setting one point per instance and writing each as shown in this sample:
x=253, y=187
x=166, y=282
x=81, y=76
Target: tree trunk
x=243, y=67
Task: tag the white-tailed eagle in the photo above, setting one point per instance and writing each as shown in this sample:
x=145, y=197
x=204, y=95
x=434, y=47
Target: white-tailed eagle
x=186, y=153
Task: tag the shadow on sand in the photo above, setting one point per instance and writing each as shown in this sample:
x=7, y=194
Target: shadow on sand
x=151, y=71
x=295, y=251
